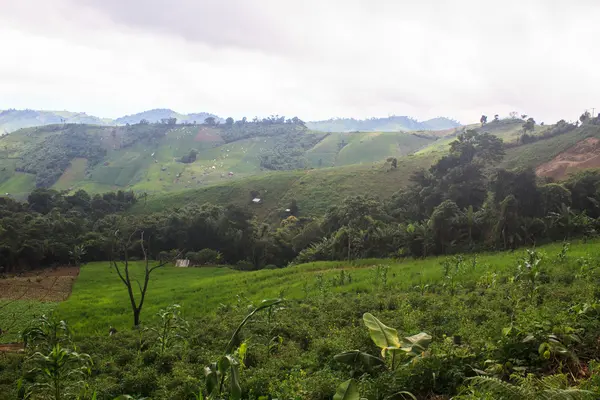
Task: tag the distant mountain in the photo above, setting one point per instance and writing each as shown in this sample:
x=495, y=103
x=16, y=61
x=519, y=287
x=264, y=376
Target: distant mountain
x=12, y=120
x=389, y=124
x=158, y=114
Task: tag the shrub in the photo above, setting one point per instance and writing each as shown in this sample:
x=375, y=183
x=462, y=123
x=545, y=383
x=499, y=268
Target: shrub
x=244, y=265
x=208, y=256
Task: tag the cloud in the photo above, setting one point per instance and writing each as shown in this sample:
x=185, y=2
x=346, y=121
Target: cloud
x=314, y=59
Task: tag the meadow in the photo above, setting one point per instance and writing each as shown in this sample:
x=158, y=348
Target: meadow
x=505, y=315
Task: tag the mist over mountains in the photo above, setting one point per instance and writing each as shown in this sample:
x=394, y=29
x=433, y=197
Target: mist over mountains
x=12, y=120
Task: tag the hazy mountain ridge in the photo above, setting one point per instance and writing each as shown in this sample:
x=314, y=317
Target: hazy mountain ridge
x=12, y=120
x=387, y=124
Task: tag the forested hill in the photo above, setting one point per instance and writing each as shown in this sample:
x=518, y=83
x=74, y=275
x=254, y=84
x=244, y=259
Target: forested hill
x=171, y=156
x=389, y=124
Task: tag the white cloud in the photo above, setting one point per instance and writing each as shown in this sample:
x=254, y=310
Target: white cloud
x=314, y=59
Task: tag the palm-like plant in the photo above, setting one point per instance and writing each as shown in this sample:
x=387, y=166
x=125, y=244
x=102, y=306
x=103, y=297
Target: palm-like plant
x=77, y=254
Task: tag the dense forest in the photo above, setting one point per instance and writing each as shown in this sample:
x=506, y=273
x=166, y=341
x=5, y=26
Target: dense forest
x=462, y=203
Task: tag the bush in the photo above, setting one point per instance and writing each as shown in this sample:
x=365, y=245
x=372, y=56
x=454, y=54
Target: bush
x=244, y=265
x=208, y=256
x=204, y=257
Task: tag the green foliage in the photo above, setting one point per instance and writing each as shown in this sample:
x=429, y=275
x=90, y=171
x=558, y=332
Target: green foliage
x=51, y=157
x=172, y=328
x=530, y=387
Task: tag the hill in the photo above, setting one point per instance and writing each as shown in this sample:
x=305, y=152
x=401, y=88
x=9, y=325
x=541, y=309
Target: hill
x=164, y=157
x=389, y=124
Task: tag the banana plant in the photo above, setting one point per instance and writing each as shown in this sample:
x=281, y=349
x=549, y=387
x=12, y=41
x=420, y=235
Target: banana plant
x=227, y=366
x=386, y=338
x=348, y=390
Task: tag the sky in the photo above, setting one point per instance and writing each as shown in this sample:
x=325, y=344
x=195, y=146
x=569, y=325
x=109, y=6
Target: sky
x=314, y=59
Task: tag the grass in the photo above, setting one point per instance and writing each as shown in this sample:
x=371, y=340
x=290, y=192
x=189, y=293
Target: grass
x=19, y=185
x=74, y=174
x=536, y=153
x=314, y=190
x=290, y=350
x=99, y=300
x=16, y=315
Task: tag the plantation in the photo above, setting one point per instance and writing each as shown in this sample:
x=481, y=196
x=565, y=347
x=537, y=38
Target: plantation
x=509, y=316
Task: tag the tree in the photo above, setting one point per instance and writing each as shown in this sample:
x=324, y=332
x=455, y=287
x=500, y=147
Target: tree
x=513, y=115
x=210, y=121
x=508, y=225
x=529, y=125
x=496, y=118
x=523, y=116
x=584, y=117
x=483, y=120
x=442, y=224
x=120, y=250
x=228, y=122
x=293, y=207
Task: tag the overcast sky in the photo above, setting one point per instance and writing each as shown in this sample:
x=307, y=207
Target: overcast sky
x=311, y=58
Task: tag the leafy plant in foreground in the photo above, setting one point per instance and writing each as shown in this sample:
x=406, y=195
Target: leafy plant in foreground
x=45, y=333
x=171, y=326
x=411, y=348
x=227, y=367
x=61, y=372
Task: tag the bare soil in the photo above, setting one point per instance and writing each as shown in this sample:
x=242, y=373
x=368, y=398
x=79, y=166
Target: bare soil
x=206, y=135
x=45, y=285
x=12, y=347
x=584, y=155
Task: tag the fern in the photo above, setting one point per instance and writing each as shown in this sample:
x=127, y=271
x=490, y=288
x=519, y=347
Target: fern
x=554, y=387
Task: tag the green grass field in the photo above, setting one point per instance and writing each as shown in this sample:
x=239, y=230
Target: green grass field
x=15, y=315
x=481, y=311
x=99, y=300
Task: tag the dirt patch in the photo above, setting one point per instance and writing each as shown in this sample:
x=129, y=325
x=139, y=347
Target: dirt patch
x=12, y=347
x=45, y=285
x=206, y=135
x=585, y=154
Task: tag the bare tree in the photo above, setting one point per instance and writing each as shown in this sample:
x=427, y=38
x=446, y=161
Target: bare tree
x=122, y=268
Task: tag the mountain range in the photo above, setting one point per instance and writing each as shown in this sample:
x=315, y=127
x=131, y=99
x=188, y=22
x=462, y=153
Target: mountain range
x=12, y=120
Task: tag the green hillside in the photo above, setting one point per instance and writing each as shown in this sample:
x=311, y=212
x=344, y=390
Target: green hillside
x=154, y=158
x=314, y=190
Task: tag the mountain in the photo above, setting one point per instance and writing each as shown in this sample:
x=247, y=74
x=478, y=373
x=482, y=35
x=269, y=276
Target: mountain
x=278, y=161
x=389, y=124
x=159, y=114
x=167, y=157
x=12, y=120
